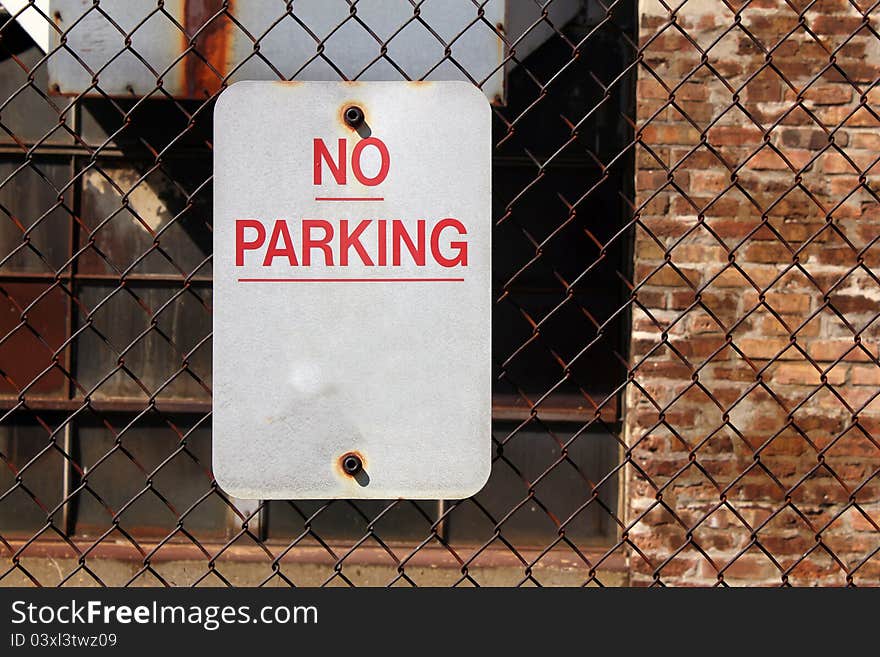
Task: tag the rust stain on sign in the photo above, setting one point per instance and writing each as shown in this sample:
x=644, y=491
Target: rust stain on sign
x=344, y=107
x=340, y=468
x=205, y=68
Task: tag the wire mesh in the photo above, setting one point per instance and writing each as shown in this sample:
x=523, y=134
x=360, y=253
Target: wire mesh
x=685, y=330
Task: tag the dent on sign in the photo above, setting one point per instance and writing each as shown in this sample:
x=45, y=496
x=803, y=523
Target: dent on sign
x=352, y=290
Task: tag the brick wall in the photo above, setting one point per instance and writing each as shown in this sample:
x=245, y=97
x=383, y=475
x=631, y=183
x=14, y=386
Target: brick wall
x=753, y=427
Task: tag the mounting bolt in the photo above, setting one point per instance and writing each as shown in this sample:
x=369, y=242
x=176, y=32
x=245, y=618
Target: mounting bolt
x=351, y=464
x=354, y=116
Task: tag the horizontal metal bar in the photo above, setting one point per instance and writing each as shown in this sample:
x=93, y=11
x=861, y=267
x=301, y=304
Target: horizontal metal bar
x=119, y=405
x=504, y=408
x=561, y=408
x=428, y=556
x=135, y=153
x=152, y=279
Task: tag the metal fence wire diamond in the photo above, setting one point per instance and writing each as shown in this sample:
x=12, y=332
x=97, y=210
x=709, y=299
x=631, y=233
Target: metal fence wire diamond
x=685, y=328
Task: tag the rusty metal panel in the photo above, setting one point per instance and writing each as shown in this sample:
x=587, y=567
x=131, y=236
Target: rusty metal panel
x=33, y=204
x=30, y=478
x=177, y=456
x=33, y=323
x=189, y=49
x=145, y=341
x=157, y=208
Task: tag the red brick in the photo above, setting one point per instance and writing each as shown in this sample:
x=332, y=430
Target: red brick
x=781, y=302
x=768, y=27
x=751, y=567
x=681, y=299
x=666, y=226
x=805, y=374
x=665, y=369
x=826, y=6
x=829, y=350
x=724, y=135
x=698, y=112
x=650, y=181
x=764, y=347
x=797, y=217
x=698, y=253
x=829, y=94
x=847, y=303
x=702, y=324
x=769, y=251
x=866, y=375
x=811, y=139
x=734, y=373
x=796, y=70
x=699, y=159
x=844, y=115
x=711, y=181
x=833, y=162
x=791, y=543
x=652, y=298
x=764, y=90
x=658, y=205
x=649, y=159
x=666, y=275
x=733, y=227
x=825, y=24
x=843, y=185
x=704, y=346
x=860, y=523
x=650, y=88
x=665, y=133
x=692, y=91
x=767, y=158
x=648, y=249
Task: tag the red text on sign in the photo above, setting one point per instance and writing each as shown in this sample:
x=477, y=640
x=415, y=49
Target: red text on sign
x=338, y=165
x=344, y=243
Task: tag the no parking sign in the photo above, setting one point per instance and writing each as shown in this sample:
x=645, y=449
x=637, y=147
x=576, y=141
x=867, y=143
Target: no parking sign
x=352, y=290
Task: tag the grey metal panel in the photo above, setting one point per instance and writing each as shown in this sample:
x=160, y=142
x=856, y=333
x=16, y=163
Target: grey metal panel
x=303, y=49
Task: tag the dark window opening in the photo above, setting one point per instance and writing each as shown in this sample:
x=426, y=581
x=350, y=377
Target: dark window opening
x=109, y=241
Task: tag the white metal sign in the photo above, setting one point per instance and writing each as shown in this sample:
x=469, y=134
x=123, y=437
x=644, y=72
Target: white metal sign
x=352, y=293
x=309, y=40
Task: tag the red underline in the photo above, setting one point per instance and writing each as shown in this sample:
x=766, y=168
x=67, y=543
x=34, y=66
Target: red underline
x=351, y=280
x=349, y=198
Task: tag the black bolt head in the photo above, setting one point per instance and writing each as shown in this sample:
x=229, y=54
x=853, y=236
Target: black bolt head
x=351, y=464
x=354, y=116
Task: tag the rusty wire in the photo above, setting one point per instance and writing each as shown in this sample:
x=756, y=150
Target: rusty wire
x=82, y=396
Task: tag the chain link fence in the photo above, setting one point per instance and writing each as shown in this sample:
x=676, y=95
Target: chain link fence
x=685, y=329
